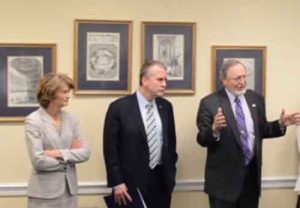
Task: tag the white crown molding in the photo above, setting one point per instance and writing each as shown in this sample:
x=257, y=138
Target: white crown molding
x=97, y=187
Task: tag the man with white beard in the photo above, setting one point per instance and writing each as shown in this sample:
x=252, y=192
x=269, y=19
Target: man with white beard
x=232, y=123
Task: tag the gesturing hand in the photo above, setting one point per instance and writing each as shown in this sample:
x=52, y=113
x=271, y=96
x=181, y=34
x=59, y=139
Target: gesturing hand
x=219, y=121
x=289, y=119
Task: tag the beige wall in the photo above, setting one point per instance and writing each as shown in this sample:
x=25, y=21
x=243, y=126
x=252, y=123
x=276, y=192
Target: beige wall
x=270, y=23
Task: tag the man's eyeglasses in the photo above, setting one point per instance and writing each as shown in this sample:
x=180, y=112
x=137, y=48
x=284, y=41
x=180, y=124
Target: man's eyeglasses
x=238, y=79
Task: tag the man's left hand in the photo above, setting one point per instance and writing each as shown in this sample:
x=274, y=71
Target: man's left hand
x=289, y=119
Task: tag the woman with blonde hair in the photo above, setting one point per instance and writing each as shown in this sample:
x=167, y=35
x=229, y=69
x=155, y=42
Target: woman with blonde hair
x=55, y=144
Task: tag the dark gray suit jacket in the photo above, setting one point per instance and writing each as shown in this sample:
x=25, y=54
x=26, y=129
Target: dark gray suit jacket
x=125, y=145
x=225, y=166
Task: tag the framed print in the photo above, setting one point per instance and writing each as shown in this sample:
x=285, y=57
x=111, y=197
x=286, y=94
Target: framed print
x=253, y=57
x=21, y=68
x=102, y=57
x=173, y=44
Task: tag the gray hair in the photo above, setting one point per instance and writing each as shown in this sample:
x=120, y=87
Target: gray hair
x=147, y=65
x=226, y=65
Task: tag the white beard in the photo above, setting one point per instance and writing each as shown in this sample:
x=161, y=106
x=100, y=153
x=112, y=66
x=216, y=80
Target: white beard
x=238, y=93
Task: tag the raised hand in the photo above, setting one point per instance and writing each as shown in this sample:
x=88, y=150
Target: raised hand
x=289, y=119
x=219, y=121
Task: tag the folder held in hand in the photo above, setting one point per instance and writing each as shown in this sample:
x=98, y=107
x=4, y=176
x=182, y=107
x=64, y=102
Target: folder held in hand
x=137, y=201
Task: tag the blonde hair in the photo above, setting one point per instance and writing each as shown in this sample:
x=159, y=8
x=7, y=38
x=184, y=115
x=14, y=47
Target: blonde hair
x=49, y=85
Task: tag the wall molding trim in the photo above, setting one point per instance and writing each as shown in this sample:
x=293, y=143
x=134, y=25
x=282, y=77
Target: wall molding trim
x=99, y=188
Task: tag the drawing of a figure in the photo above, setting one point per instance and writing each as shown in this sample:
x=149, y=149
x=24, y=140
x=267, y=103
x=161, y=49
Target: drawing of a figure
x=24, y=73
x=170, y=53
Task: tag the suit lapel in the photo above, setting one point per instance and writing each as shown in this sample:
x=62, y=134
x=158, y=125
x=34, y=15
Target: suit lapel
x=136, y=114
x=65, y=137
x=53, y=134
x=164, y=122
x=252, y=104
x=229, y=115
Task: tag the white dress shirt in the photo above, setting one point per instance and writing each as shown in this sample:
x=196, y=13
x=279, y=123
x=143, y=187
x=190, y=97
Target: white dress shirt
x=142, y=105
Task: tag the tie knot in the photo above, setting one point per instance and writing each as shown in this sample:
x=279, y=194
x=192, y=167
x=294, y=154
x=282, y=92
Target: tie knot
x=149, y=106
x=237, y=99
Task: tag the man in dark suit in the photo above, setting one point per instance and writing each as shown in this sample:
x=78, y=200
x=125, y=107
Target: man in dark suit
x=232, y=123
x=140, y=141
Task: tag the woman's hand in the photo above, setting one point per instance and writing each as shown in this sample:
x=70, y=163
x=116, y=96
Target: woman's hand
x=54, y=153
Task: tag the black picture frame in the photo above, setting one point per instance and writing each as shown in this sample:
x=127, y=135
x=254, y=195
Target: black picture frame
x=102, y=57
x=254, y=58
x=174, y=44
x=21, y=67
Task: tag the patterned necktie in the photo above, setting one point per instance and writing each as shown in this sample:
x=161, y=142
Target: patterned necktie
x=152, y=136
x=241, y=123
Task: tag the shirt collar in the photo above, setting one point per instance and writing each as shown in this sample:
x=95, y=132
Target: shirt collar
x=142, y=100
x=230, y=95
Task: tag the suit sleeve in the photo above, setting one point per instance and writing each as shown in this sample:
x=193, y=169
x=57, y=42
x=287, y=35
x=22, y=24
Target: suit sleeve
x=111, y=134
x=205, y=119
x=34, y=142
x=269, y=129
x=80, y=154
x=173, y=137
x=172, y=151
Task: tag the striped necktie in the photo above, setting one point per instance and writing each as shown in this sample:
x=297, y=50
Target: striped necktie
x=241, y=123
x=152, y=136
